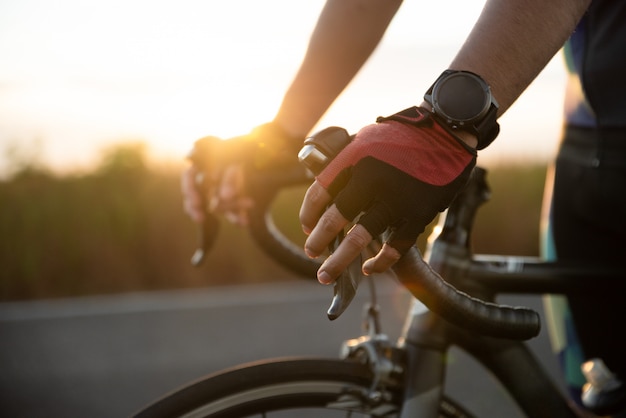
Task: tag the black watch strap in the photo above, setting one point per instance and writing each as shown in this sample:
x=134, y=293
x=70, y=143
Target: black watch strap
x=488, y=128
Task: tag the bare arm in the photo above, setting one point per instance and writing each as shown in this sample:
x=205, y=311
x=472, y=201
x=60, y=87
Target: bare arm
x=510, y=44
x=346, y=34
x=513, y=41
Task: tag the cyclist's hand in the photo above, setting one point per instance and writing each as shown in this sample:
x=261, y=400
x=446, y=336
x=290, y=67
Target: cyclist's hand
x=395, y=176
x=228, y=164
x=192, y=197
x=229, y=199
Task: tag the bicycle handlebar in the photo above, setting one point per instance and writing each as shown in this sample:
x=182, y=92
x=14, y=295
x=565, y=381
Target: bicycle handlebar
x=489, y=319
x=421, y=280
x=263, y=189
x=416, y=275
x=261, y=223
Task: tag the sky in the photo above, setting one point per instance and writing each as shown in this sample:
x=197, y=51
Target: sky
x=77, y=76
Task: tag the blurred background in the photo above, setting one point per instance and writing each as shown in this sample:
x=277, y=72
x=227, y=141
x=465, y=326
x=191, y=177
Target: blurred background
x=101, y=101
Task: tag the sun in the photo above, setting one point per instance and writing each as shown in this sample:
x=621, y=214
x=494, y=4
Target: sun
x=166, y=74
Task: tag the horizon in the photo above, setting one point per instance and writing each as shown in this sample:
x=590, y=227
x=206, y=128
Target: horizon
x=168, y=74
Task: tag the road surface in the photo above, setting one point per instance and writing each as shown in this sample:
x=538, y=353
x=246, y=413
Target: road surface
x=107, y=356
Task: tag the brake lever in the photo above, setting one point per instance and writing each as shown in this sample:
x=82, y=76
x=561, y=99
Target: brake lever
x=317, y=152
x=346, y=285
x=207, y=229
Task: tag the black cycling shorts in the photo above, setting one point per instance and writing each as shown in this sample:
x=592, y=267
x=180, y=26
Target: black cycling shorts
x=588, y=218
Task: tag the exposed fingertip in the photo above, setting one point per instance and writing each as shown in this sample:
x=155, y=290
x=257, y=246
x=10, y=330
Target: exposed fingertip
x=368, y=267
x=197, y=217
x=310, y=253
x=324, y=278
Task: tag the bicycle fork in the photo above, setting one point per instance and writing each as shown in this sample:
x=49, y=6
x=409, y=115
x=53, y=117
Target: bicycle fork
x=417, y=368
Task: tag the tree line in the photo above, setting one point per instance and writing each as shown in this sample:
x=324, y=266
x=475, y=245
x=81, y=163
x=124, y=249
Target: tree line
x=121, y=228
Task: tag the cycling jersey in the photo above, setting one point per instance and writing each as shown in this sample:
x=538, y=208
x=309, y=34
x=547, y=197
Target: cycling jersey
x=596, y=62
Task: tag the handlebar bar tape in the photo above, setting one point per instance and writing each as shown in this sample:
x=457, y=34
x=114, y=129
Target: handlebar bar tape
x=461, y=309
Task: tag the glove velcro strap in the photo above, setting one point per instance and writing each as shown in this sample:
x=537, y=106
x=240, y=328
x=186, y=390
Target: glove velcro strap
x=416, y=116
x=420, y=117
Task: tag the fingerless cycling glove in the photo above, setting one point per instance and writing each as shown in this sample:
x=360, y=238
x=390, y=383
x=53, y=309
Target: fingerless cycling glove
x=398, y=174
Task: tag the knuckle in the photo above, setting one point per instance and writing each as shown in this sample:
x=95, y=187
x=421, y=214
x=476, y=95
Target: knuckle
x=318, y=196
x=317, y=241
x=358, y=238
x=330, y=224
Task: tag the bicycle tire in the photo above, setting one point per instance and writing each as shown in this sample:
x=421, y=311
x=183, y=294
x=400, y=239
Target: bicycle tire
x=290, y=388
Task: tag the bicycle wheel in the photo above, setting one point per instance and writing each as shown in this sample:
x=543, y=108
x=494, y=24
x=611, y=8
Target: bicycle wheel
x=287, y=388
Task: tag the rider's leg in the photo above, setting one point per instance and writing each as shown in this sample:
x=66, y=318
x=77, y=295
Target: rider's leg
x=588, y=219
x=561, y=330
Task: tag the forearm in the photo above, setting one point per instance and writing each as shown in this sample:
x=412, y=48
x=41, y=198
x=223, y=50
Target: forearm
x=346, y=34
x=513, y=41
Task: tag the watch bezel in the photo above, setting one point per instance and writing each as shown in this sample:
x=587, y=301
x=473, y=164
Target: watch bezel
x=445, y=96
x=483, y=122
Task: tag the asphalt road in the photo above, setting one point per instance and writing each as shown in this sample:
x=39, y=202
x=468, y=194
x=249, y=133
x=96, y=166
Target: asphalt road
x=107, y=356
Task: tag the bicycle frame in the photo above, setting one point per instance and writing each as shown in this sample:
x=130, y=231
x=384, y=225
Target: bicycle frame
x=426, y=337
x=488, y=332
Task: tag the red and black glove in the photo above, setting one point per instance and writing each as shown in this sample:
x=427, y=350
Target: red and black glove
x=398, y=174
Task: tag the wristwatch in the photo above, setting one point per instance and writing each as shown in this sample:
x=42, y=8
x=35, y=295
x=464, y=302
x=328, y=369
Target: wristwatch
x=462, y=100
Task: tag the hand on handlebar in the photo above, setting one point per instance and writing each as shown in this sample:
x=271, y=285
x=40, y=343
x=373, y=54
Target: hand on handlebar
x=394, y=177
x=229, y=164
x=228, y=199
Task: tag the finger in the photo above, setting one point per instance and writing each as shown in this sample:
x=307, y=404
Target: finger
x=313, y=206
x=384, y=260
x=232, y=183
x=193, y=211
x=237, y=212
x=234, y=210
x=329, y=225
x=378, y=217
x=237, y=218
x=193, y=201
x=404, y=236
x=353, y=243
x=230, y=198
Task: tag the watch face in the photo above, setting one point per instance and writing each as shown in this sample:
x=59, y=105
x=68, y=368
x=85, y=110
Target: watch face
x=461, y=97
